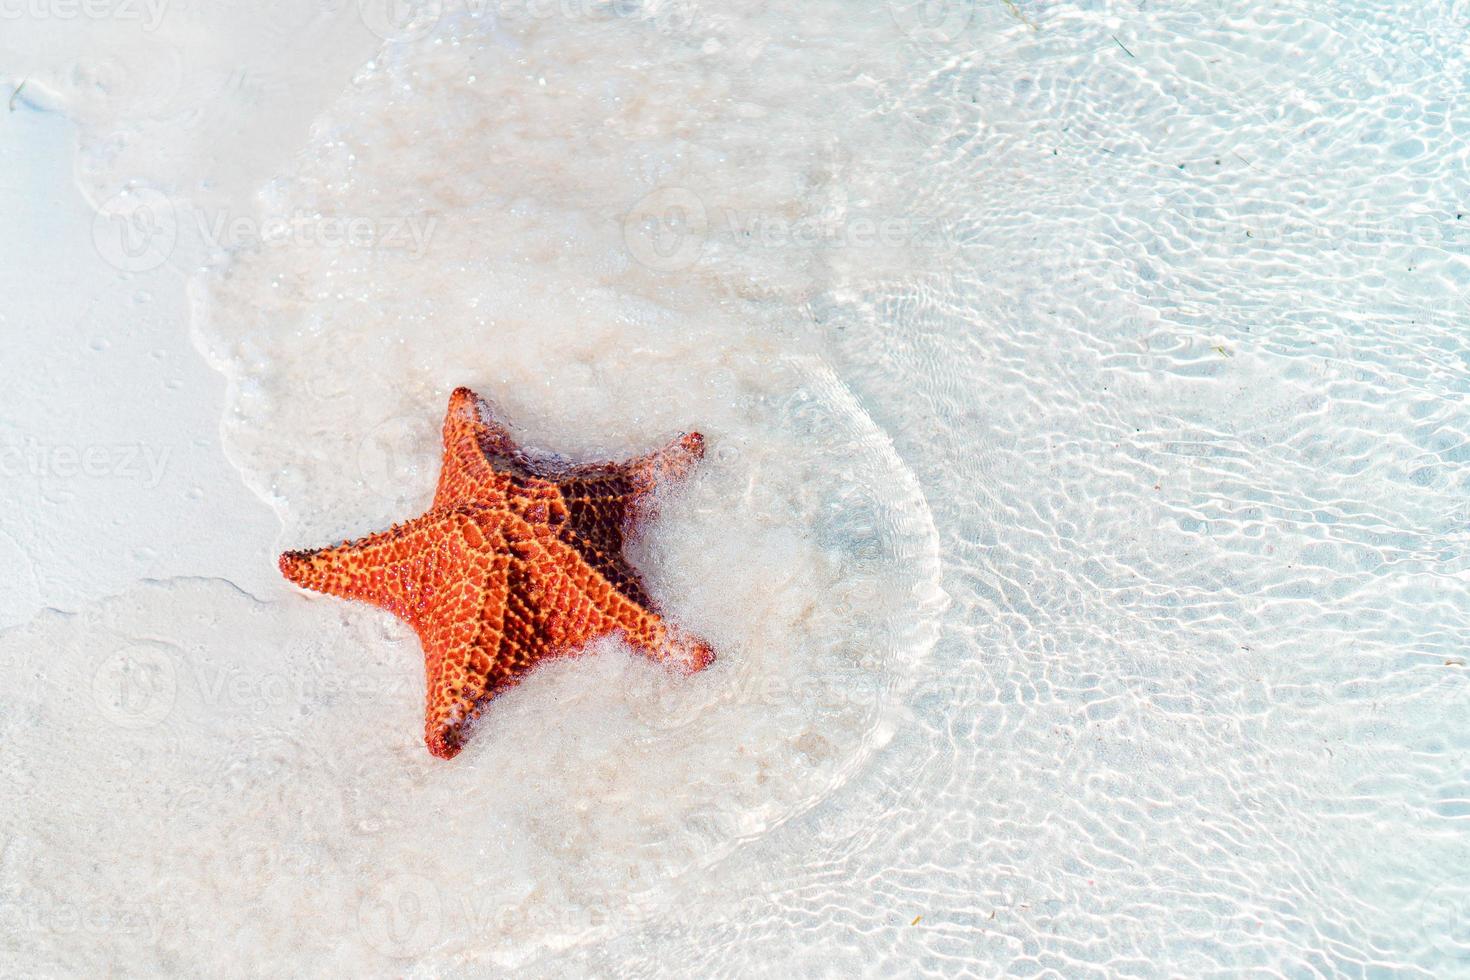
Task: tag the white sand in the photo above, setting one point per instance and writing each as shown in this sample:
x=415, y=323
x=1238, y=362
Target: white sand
x=1081, y=534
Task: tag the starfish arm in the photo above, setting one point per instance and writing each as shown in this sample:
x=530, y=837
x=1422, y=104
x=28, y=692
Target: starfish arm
x=498, y=634
x=472, y=438
x=590, y=605
x=595, y=533
x=395, y=570
x=651, y=636
x=604, y=499
x=630, y=482
x=467, y=654
x=667, y=465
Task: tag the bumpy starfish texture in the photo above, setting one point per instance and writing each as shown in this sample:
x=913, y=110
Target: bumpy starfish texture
x=519, y=559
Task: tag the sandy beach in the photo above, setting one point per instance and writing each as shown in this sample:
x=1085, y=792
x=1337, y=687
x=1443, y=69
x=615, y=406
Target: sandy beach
x=1081, y=533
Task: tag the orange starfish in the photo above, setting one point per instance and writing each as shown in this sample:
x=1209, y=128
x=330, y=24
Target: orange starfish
x=518, y=559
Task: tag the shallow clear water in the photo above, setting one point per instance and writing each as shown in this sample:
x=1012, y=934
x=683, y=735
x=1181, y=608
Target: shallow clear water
x=1082, y=535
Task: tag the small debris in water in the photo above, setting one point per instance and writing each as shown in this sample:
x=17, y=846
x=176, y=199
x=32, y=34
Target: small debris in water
x=16, y=94
x=1248, y=163
x=916, y=920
